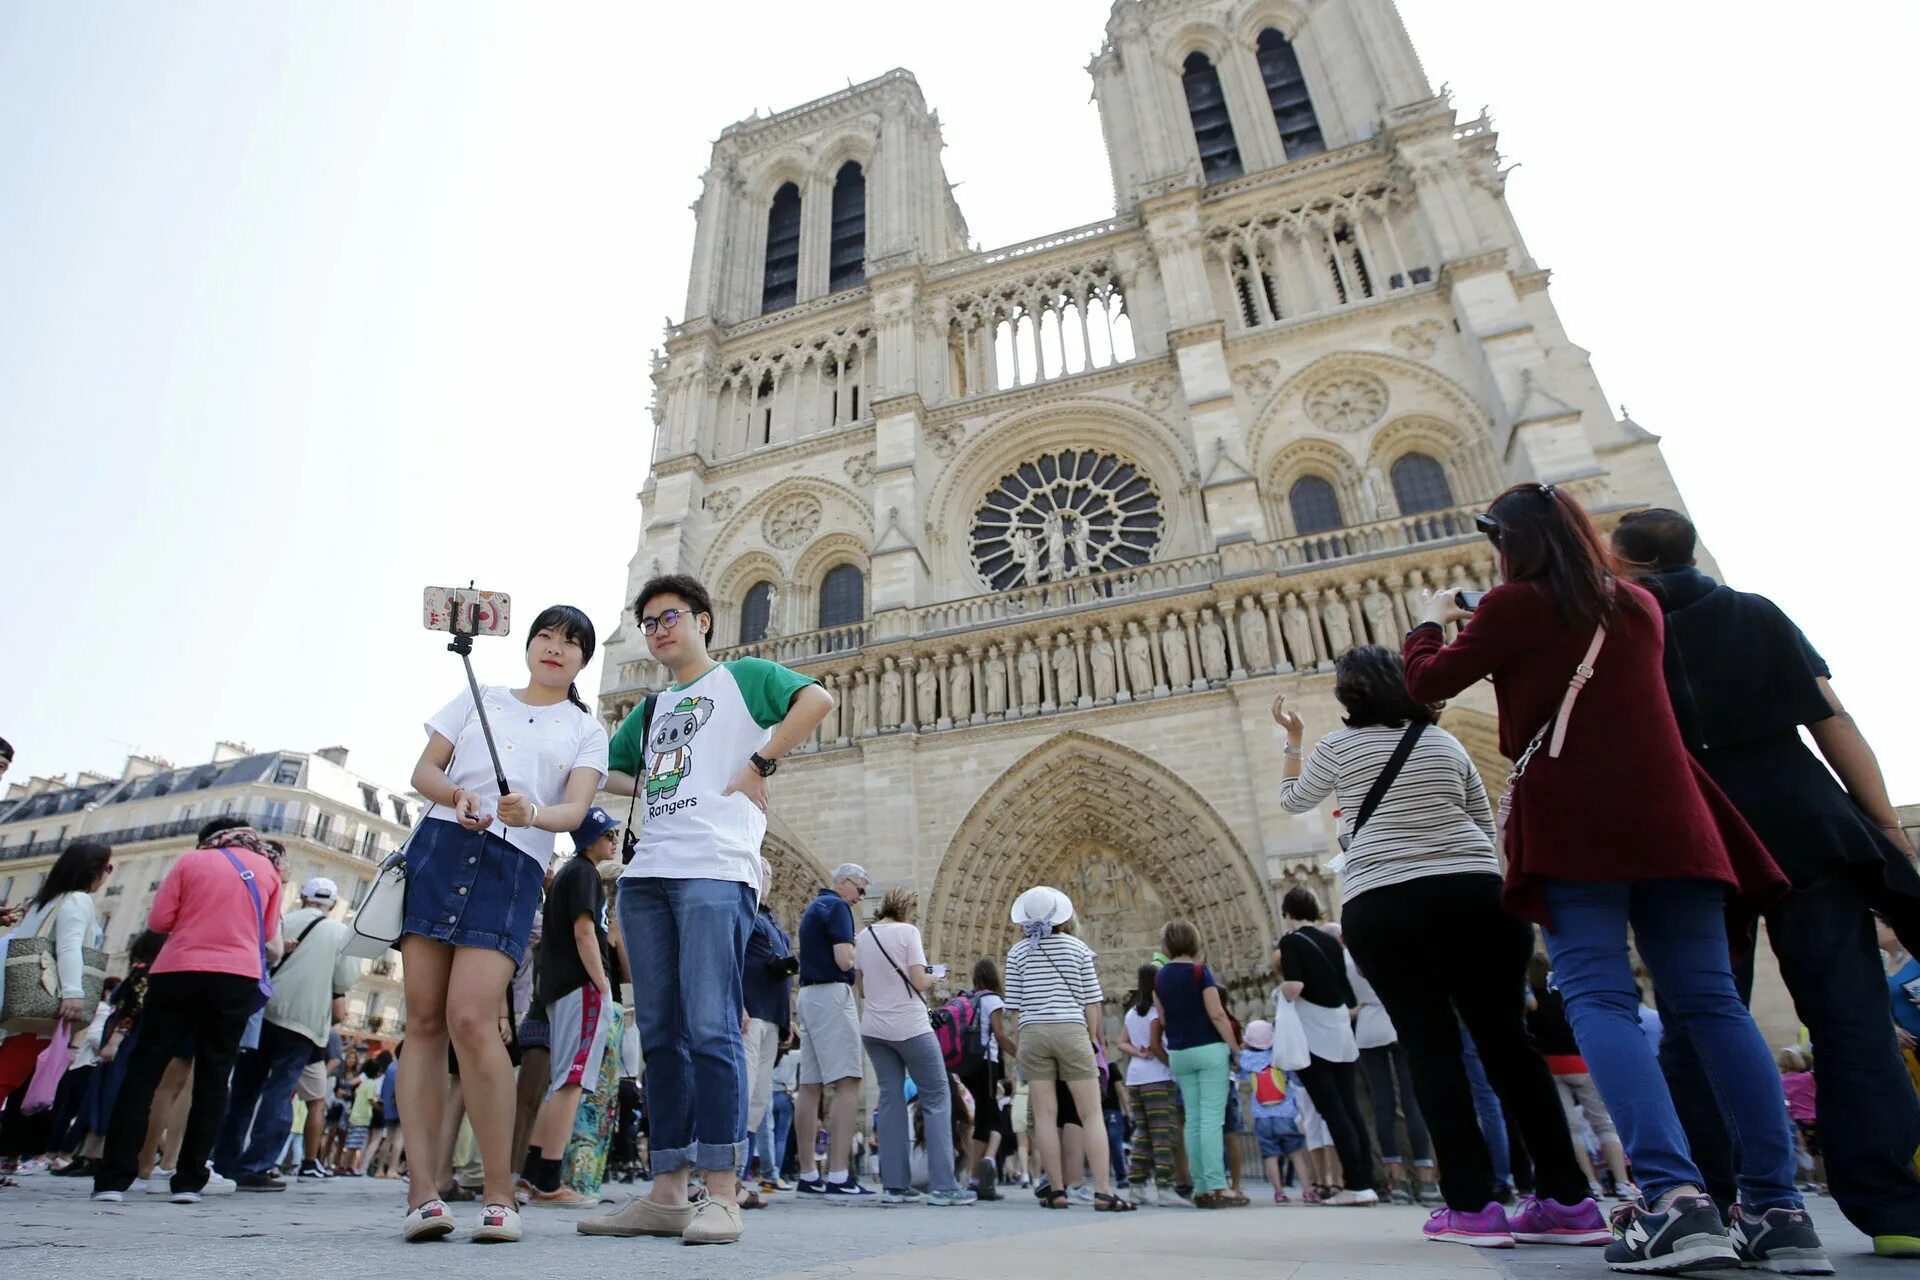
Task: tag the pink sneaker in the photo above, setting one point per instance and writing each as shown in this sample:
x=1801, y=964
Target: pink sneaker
x=1486, y=1229
x=1543, y=1221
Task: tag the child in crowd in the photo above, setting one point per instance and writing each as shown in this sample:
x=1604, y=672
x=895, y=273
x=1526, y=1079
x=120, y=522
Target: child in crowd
x=1796, y=1081
x=366, y=1096
x=1276, y=1113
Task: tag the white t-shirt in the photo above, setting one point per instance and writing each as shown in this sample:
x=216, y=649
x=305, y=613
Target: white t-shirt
x=894, y=1011
x=989, y=1004
x=540, y=747
x=701, y=737
x=1140, y=1035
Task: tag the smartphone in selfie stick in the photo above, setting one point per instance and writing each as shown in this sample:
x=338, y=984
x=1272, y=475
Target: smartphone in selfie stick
x=467, y=613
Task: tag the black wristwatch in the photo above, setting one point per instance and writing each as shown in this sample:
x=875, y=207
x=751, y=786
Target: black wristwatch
x=765, y=766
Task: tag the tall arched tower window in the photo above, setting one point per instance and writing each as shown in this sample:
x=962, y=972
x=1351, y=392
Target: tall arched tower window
x=1420, y=484
x=1212, y=128
x=848, y=260
x=755, y=612
x=1316, y=507
x=843, y=596
x=1287, y=95
x=782, y=287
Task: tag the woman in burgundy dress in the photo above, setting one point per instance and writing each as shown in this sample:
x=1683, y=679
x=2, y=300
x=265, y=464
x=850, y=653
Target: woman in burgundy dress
x=1611, y=824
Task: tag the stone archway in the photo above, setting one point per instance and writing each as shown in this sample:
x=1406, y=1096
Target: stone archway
x=797, y=876
x=1127, y=840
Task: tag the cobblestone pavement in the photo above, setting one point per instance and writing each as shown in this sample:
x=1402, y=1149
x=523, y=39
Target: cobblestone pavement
x=351, y=1228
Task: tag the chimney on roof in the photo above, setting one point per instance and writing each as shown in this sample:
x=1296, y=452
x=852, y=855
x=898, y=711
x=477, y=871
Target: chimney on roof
x=87, y=778
x=142, y=767
x=333, y=755
x=226, y=752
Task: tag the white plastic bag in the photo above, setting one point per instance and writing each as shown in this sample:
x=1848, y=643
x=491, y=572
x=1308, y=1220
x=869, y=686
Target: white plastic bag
x=1289, y=1037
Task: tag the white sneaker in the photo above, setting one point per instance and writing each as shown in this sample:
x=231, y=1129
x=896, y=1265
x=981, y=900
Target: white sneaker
x=157, y=1182
x=1350, y=1197
x=431, y=1221
x=108, y=1197
x=218, y=1186
x=499, y=1224
x=185, y=1197
x=1082, y=1194
x=1171, y=1199
x=139, y=1186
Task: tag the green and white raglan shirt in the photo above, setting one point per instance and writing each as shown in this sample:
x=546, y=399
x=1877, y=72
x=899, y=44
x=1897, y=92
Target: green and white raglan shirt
x=702, y=735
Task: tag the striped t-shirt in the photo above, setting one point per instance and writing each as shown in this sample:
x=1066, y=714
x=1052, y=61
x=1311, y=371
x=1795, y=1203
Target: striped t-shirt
x=1052, y=979
x=1433, y=821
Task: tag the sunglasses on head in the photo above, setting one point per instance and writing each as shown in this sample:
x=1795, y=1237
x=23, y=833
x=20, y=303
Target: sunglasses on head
x=1488, y=525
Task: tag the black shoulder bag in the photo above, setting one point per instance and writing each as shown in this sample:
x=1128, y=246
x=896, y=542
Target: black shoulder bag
x=882, y=947
x=1378, y=792
x=629, y=842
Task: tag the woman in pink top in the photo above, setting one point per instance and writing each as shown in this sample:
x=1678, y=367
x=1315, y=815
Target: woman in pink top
x=220, y=909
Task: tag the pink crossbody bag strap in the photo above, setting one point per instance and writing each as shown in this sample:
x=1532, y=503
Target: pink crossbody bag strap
x=1581, y=674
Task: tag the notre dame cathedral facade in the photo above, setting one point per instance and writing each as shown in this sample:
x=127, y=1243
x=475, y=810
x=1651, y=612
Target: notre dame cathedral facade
x=1056, y=521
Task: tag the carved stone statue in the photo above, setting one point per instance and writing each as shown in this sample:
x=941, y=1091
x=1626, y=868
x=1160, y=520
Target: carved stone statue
x=1030, y=688
x=1056, y=528
x=1081, y=539
x=960, y=690
x=1379, y=611
x=1416, y=595
x=1139, y=661
x=1376, y=496
x=1298, y=628
x=1066, y=672
x=1213, y=646
x=996, y=697
x=857, y=727
x=926, y=683
x=773, y=612
x=1026, y=554
x=1255, y=650
x=891, y=696
x=1339, y=629
x=1100, y=658
x=1173, y=644
x=830, y=727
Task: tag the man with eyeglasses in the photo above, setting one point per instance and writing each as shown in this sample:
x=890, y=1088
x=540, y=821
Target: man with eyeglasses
x=699, y=753
x=831, y=1053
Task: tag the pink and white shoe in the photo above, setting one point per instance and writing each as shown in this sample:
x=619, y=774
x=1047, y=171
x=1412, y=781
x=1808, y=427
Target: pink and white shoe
x=1486, y=1229
x=1542, y=1221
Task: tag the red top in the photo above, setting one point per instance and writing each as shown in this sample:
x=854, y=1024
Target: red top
x=207, y=914
x=1624, y=800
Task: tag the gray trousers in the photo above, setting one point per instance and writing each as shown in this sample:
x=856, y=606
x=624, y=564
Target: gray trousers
x=894, y=1061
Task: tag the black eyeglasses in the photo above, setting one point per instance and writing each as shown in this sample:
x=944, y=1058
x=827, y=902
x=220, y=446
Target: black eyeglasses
x=1488, y=525
x=667, y=621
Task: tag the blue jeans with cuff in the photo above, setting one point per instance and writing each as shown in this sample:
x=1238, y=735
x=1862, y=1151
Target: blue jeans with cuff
x=1680, y=929
x=685, y=941
x=261, y=1104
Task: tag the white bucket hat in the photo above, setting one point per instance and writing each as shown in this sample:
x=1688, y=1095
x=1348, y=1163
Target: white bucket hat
x=1042, y=905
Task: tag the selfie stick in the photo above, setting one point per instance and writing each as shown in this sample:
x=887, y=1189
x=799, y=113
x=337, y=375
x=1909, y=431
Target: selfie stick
x=463, y=645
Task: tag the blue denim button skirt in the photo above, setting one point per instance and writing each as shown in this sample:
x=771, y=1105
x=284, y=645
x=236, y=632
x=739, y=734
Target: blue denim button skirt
x=470, y=889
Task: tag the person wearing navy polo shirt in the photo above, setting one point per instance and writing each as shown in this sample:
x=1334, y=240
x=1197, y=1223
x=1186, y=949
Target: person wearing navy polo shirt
x=831, y=1053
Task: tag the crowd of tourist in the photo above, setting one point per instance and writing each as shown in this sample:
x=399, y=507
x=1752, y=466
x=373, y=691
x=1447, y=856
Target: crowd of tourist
x=1474, y=1033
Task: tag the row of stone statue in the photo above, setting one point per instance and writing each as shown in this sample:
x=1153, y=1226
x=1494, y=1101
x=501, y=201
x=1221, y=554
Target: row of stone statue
x=1140, y=658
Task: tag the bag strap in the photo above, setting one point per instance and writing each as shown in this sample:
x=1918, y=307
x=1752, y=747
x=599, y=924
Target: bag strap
x=1395, y=762
x=1581, y=674
x=918, y=994
x=629, y=841
x=259, y=908
x=311, y=926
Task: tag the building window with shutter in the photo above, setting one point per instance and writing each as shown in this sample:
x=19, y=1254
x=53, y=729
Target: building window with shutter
x=1212, y=128
x=781, y=287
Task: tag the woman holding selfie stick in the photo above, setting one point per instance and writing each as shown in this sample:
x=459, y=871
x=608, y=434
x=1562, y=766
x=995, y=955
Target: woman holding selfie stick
x=474, y=871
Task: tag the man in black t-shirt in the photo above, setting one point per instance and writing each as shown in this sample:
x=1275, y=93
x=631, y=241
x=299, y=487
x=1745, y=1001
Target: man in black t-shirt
x=571, y=979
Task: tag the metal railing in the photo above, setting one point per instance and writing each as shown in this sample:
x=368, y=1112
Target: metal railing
x=314, y=829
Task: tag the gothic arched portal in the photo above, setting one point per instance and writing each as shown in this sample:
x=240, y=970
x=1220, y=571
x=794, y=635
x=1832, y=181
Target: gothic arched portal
x=797, y=876
x=1128, y=841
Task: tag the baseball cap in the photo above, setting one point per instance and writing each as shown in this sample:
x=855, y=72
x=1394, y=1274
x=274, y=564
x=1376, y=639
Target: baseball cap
x=320, y=889
x=596, y=824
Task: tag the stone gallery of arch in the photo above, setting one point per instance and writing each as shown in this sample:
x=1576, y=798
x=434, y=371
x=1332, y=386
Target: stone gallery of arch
x=1055, y=522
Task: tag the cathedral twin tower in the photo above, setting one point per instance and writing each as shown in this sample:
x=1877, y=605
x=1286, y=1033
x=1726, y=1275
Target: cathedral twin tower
x=1056, y=521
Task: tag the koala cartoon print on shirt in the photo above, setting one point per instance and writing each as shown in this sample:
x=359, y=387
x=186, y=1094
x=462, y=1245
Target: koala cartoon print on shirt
x=671, y=746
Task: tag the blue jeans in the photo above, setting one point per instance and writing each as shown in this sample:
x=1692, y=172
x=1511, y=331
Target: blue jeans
x=262, y=1102
x=1680, y=928
x=1486, y=1110
x=893, y=1062
x=780, y=1116
x=685, y=942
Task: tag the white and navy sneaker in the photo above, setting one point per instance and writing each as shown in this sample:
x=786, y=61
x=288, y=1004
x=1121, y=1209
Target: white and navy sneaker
x=1780, y=1240
x=1685, y=1236
x=814, y=1186
x=850, y=1192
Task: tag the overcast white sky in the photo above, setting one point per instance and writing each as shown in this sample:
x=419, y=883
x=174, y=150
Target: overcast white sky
x=304, y=306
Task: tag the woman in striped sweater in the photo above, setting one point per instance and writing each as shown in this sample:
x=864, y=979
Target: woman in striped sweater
x=1424, y=922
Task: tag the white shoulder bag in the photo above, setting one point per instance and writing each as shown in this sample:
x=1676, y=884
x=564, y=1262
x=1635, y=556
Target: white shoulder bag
x=382, y=913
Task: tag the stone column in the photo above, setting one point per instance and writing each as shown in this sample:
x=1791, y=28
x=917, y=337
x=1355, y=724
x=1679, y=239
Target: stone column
x=979, y=715
x=1270, y=602
x=1086, y=677
x=1311, y=599
x=1190, y=622
x=1236, y=660
x=940, y=663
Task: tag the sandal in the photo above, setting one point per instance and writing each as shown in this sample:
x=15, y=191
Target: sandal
x=1104, y=1203
x=1231, y=1199
x=1055, y=1200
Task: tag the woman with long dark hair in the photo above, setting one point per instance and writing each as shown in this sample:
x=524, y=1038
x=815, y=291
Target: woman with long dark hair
x=62, y=910
x=1608, y=823
x=1151, y=1090
x=474, y=870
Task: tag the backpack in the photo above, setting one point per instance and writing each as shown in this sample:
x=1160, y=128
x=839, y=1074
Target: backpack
x=1270, y=1087
x=956, y=1025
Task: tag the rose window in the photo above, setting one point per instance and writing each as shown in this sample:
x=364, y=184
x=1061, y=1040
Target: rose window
x=1063, y=515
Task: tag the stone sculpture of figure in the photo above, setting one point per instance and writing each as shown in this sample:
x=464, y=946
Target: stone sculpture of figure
x=926, y=683
x=830, y=727
x=1255, y=651
x=1025, y=554
x=1082, y=540
x=1030, y=690
x=1379, y=611
x=859, y=719
x=892, y=690
x=1213, y=646
x=1100, y=657
x=1339, y=628
x=1376, y=496
x=1066, y=672
x=996, y=698
x=1298, y=628
x=960, y=690
x=1173, y=644
x=1139, y=661
x=1416, y=594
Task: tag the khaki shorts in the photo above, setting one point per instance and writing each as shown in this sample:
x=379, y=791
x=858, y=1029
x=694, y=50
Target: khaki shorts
x=1056, y=1051
x=831, y=1049
x=312, y=1084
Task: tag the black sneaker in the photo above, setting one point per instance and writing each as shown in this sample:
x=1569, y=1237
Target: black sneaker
x=311, y=1171
x=814, y=1186
x=851, y=1192
x=1780, y=1240
x=258, y=1182
x=1685, y=1236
